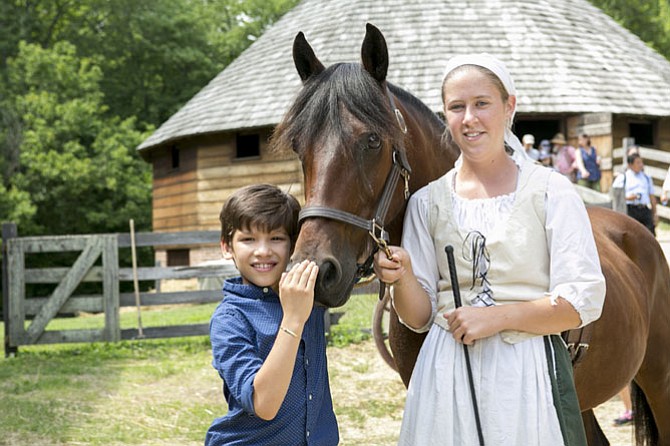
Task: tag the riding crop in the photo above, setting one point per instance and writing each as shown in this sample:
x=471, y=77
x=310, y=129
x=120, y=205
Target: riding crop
x=457, y=303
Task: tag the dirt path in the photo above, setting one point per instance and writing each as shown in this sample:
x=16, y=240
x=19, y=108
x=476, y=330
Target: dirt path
x=369, y=397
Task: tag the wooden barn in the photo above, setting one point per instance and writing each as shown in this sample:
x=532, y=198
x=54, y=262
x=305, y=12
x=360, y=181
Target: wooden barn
x=576, y=70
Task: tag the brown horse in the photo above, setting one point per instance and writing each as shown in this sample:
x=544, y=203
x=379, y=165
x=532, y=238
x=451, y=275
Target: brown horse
x=358, y=137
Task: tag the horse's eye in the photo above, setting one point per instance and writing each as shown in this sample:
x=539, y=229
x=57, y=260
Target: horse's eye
x=373, y=141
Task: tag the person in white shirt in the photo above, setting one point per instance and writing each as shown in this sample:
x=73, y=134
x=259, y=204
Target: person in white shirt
x=528, y=142
x=528, y=269
x=639, y=192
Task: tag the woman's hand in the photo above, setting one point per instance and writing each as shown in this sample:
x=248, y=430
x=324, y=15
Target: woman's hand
x=467, y=324
x=390, y=271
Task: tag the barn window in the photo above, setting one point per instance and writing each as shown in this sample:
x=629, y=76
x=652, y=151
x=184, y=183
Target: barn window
x=248, y=145
x=643, y=132
x=178, y=257
x=175, y=157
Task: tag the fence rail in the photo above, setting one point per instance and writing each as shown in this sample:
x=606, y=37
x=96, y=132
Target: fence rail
x=26, y=317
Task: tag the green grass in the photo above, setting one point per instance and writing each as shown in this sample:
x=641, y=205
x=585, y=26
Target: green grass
x=147, y=392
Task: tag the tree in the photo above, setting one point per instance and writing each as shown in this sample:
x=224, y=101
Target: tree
x=89, y=80
x=648, y=19
x=154, y=55
x=77, y=170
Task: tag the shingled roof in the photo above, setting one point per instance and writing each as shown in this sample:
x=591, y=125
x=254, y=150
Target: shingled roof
x=566, y=56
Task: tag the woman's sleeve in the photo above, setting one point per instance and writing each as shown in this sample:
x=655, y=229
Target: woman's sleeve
x=419, y=245
x=575, y=272
x=234, y=355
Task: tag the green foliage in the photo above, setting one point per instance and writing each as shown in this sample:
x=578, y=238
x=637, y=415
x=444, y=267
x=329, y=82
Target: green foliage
x=83, y=82
x=354, y=325
x=648, y=19
x=154, y=55
x=77, y=170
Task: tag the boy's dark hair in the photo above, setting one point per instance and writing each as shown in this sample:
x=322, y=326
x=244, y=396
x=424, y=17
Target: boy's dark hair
x=259, y=206
x=632, y=157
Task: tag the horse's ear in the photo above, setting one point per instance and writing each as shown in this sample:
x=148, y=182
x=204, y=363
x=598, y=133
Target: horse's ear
x=374, y=53
x=304, y=58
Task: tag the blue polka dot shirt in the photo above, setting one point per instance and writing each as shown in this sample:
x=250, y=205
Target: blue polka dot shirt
x=243, y=329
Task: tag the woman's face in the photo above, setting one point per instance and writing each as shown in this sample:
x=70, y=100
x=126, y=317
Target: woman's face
x=475, y=113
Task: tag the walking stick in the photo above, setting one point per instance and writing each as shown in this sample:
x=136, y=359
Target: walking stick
x=457, y=303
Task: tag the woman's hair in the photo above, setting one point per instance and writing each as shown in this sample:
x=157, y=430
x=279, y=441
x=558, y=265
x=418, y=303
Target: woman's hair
x=447, y=139
x=586, y=137
x=632, y=157
x=260, y=206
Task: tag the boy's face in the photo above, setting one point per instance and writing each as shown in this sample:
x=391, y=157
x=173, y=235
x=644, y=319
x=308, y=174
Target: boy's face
x=261, y=257
x=637, y=166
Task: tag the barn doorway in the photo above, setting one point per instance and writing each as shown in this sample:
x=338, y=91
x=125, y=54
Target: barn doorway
x=642, y=132
x=539, y=128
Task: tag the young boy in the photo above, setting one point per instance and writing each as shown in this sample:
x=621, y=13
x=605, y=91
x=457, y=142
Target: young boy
x=268, y=339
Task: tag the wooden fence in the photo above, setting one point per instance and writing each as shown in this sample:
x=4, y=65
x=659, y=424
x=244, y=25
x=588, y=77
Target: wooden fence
x=26, y=317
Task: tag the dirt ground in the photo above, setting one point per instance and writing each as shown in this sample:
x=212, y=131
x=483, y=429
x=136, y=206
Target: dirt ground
x=369, y=396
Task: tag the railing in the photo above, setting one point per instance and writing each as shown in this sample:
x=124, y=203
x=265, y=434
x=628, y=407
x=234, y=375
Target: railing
x=26, y=317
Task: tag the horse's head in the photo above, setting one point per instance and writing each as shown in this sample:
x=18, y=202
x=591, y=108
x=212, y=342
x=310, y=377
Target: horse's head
x=345, y=129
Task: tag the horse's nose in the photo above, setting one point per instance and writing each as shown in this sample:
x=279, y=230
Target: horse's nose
x=330, y=275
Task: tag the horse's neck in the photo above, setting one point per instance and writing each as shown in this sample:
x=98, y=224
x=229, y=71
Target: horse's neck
x=428, y=156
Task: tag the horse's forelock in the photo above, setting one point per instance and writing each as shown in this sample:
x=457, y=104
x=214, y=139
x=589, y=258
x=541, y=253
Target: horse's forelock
x=317, y=108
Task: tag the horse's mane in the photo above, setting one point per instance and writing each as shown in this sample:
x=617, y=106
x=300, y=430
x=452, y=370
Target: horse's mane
x=318, y=108
x=428, y=116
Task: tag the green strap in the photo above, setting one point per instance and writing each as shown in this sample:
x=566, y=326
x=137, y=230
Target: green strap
x=564, y=393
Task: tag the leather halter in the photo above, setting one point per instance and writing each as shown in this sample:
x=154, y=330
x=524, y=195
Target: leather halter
x=375, y=226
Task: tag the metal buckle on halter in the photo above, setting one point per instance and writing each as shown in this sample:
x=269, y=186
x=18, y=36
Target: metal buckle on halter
x=405, y=175
x=403, y=172
x=382, y=239
x=576, y=351
x=401, y=120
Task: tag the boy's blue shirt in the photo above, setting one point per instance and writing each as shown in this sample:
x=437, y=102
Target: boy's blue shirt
x=243, y=329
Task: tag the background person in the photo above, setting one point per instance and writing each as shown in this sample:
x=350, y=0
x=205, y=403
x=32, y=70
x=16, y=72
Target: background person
x=521, y=286
x=588, y=163
x=564, y=157
x=639, y=192
x=528, y=141
x=627, y=416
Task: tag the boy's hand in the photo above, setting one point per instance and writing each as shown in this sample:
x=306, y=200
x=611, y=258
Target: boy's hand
x=296, y=293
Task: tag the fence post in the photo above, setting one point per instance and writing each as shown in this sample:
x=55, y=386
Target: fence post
x=110, y=285
x=9, y=231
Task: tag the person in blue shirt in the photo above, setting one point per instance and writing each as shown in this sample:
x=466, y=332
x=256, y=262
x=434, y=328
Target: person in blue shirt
x=639, y=192
x=588, y=164
x=268, y=338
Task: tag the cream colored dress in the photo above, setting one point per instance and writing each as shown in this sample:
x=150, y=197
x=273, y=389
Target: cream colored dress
x=537, y=241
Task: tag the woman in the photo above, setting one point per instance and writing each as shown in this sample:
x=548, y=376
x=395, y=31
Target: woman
x=588, y=164
x=527, y=265
x=565, y=158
